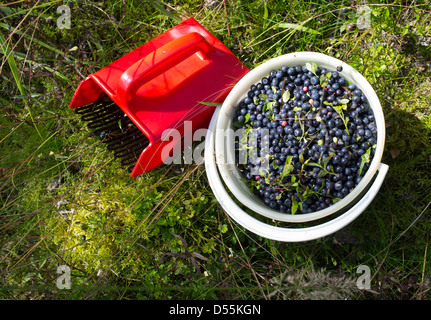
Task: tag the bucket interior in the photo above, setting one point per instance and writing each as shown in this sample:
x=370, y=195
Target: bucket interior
x=225, y=156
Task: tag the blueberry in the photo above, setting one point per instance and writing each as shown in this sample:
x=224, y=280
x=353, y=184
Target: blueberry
x=305, y=106
x=291, y=72
x=357, y=92
x=356, y=99
x=351, y=87
x=256, y=123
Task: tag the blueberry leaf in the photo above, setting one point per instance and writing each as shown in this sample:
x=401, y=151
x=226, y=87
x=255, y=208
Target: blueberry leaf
x=326, y=161
x=322, y=173
x=288, y=167
x=211, y=104
x=313, y=164
x=311, y=66
x=322, y=78
x=269, y=105
x=286, y=96
x=307, y=193
x=238, y=124
x=365, y=158
x=294, y=206
x=344, y=101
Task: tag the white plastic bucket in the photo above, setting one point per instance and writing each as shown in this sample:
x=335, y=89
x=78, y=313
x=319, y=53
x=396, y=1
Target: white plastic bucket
x=221, y=169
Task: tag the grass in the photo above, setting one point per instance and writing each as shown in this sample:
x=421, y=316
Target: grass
x=64, y=201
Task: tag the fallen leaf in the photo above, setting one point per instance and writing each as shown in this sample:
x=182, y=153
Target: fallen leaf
x=395, y=153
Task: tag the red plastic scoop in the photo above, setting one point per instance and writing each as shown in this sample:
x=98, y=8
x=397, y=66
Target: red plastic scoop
x=157, y=86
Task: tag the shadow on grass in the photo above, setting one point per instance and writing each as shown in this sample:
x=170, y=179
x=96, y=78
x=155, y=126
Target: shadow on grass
x=391, y=236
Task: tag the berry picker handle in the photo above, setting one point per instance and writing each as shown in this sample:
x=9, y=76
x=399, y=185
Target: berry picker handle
x=159, y=61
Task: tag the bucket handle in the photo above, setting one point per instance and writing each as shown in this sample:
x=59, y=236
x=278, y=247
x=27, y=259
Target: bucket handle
x=159, y=61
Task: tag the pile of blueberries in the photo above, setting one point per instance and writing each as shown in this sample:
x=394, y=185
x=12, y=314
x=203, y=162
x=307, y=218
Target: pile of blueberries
x=321, y=138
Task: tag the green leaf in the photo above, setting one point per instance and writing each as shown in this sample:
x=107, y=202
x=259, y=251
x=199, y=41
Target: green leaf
x=307, y=193
x=238, y=124
x=287, y=168
x=211, y=104
x=286, y=96
x=294, y=206
x=322, y=78
x=301, y=157
x=326, y=161
x=263, y=96
x=344, y=101
x=267, y=181
x=297, y=27
x=247, y=117
x=265, y=13
x=314, y=164
x=365, y=158
x=311, y=66
x=223, y=228
x=322, y=173
x=269, y=105
x=161, y=7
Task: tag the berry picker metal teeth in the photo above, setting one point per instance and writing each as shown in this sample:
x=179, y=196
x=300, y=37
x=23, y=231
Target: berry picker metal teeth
x=115, y=129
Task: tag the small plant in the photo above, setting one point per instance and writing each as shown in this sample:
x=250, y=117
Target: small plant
x=310, y=284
